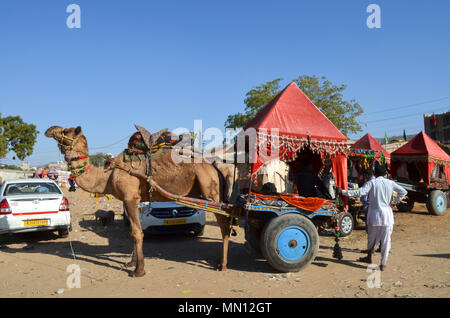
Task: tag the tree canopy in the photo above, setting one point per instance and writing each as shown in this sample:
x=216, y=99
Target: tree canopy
x=325, y=95
x=17, y=136
x=99, y=159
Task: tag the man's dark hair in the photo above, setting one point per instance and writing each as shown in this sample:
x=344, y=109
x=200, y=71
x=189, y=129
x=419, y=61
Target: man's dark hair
x=269, y=188
x=380, y=171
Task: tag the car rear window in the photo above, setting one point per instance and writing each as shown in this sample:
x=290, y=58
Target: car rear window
x=31, y=188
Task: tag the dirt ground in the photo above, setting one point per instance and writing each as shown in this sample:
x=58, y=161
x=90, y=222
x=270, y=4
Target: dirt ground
x=180, y=266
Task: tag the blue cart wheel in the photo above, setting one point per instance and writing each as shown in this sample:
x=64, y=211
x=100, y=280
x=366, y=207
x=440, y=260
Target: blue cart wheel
x=289, y=242
x=293, y=243
x=437, y=202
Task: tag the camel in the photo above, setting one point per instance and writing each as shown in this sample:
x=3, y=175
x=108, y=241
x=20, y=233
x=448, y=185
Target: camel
x=202, y=180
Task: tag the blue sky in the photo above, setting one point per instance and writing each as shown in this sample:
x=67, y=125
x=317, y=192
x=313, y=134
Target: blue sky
x=167, y=63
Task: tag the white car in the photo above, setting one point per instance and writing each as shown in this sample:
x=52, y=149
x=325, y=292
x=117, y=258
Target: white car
x=28, y=205
x=169, y=218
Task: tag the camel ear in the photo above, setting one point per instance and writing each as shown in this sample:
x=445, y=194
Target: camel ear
x=52, y=130
x=77, y=130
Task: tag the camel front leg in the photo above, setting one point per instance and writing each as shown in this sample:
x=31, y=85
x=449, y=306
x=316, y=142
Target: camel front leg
x=224, y=224
x=137, y=235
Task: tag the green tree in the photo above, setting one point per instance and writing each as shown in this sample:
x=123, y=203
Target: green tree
x=17, y=136
x=324, y=94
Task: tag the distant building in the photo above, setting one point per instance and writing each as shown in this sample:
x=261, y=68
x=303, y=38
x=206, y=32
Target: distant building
x=438, y=127
x=25, y=166
x=60, y=165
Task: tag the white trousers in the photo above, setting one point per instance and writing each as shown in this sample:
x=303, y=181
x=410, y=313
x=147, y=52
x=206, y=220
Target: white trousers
x=382, y=235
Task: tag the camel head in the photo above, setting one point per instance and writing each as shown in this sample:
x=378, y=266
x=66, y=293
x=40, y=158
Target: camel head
x=71, y=141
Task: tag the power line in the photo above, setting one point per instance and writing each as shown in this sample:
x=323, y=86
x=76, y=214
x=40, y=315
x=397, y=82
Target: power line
x=395, y=108
x=113, y=144
x=403, y=116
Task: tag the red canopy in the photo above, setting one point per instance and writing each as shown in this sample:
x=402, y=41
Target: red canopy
x=364, y=153
x=294, y=114
x=291, y=122
x=423, y=151
x=367, y=142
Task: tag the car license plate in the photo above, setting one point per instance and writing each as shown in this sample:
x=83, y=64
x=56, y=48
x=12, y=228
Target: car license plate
x=35, y=222
x=175, y=222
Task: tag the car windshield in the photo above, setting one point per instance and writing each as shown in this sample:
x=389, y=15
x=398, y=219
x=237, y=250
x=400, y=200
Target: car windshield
x=31, y=188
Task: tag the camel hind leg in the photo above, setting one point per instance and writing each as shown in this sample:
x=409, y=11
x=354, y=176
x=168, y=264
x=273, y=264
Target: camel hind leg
x=211, y=189
x=224, y=224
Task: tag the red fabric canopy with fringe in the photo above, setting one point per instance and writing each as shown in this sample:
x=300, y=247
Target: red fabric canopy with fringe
x=425, y=152
x=367, y=142
x=289, y=123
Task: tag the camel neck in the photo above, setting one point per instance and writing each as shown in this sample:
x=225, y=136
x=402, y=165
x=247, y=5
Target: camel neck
x=88, y=177
x=80, y=167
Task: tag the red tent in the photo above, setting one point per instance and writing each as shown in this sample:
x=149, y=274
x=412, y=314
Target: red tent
x=363, y=153
x=367, y=142
x=291, y=122
x=424, y=152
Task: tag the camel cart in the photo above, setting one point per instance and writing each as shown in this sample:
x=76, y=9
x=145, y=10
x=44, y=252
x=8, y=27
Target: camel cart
x=423, y=169
x=283, y=227
x=435, y=196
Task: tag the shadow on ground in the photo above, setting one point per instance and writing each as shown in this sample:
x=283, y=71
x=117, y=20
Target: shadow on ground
x=200, y=251
x=436, y=255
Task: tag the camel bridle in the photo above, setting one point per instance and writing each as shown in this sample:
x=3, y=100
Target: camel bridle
x=73, y=141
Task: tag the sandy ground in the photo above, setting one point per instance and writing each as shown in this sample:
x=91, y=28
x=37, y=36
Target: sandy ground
x=180, y=266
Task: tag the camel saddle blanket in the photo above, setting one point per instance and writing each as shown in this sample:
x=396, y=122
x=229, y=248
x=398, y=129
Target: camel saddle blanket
x=137, y=146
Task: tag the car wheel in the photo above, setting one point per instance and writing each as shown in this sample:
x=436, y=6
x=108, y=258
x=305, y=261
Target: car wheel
x=200, y=232
x=346, y=224
x=63, y=233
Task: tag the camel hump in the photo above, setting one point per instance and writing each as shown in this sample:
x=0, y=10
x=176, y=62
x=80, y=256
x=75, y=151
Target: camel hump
x=148, y=138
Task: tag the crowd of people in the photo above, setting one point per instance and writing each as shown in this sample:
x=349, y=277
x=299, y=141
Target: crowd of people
x=46, y=173
x=54, y=175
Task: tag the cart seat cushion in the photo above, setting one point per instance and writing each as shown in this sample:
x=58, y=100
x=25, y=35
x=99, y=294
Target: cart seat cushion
x=309, y=204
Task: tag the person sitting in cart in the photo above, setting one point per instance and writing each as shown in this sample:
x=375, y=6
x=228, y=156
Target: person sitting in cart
x=328, y=180
x=309, y=184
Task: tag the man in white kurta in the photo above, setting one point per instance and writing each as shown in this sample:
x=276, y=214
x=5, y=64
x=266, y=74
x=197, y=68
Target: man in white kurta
x=380, y=218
